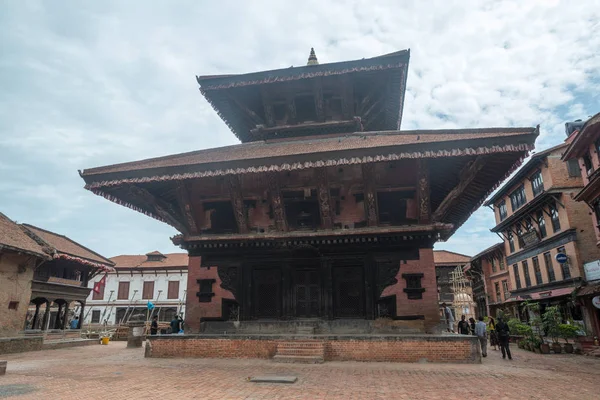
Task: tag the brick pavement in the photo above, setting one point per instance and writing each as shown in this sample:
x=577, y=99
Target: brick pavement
x=99, y=372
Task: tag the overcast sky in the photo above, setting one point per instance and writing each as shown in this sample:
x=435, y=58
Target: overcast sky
x=113, y=81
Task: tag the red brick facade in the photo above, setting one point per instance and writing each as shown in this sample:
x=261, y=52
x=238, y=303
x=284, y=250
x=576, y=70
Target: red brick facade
x=427, y=306
x=394, y=349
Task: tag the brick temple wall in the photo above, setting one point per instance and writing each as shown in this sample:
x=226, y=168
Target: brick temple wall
x=439, y=349
x=428, y=305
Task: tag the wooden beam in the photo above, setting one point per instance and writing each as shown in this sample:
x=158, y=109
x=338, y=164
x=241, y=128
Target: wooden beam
x=276, y=201
x=291, y=108
x=324, y=198
x=237, y=202
x=370, y=195
x=160, y=207
x=423, y=199
x=467, y=175
x=268, y=106
x=183, y=198
x=251, y=114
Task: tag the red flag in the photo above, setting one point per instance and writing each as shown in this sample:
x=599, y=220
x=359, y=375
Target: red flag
x=100, y=284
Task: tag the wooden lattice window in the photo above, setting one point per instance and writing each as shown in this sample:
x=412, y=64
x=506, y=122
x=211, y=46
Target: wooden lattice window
x=205, y=294
x=413, y=289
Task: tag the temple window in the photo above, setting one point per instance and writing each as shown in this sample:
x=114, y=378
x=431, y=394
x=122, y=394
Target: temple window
x=219, y=217
x=302, y=209
x=205, y=294
x=305, y=108
x=396, y=208
x=413, y=289
x=280, y=112
x=333, y=107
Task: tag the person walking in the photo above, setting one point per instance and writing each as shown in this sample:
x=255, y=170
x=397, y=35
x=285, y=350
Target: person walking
x=481, y=333
x=463, y=326
x=493, y=333
x=503, y=337
x=449, y=317
x=154, y=325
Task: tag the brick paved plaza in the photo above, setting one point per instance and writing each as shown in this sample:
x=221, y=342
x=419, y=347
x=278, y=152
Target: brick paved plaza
x=100, y=372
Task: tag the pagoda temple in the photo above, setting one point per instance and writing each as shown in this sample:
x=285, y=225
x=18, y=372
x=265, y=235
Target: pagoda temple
x=326, y=211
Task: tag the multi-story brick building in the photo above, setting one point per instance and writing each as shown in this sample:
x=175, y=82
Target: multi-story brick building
x=491, y=280
x=445, y=263
x=157, y=278
x=542, y=223
x=584, y=148
x=19, y=256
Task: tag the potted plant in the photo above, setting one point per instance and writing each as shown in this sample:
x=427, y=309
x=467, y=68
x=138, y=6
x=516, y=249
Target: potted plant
x=551, y=322
x=568, y=331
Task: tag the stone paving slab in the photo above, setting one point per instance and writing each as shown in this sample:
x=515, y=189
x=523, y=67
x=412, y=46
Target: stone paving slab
x=115, y=372
x=273, y=379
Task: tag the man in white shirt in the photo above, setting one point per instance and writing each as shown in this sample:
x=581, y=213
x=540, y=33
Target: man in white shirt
x=481, y=333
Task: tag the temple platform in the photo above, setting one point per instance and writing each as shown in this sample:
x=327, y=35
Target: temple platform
x=298, y=347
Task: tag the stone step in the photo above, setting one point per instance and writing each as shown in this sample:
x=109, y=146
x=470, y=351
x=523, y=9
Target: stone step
x=299, y=351
x=298, y=359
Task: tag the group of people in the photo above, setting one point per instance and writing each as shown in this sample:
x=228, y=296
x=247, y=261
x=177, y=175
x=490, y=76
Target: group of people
x=176, y=325
x=499, y=332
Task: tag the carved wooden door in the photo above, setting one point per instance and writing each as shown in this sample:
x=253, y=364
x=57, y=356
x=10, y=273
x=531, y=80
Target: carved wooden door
x=348, y=292
x=307, y=293
x=267, y=293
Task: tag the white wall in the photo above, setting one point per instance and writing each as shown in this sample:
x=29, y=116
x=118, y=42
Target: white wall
x=108, y=308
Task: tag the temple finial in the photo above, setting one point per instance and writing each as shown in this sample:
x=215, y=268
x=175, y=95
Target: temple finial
x=312, y=58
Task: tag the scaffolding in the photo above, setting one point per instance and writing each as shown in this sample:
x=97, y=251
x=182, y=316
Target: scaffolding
x=463, y=303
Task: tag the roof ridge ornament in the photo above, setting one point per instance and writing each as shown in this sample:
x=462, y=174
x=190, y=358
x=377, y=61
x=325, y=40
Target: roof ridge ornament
x=312, y=58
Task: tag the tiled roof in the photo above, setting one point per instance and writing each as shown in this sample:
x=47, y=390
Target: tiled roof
x=449, y=257
x=495, y=247
x=13, y=237
x=64, y=245
x=171, y=260
x=309, y=146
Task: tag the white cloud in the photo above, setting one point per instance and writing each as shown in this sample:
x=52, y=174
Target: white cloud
x=100, y=83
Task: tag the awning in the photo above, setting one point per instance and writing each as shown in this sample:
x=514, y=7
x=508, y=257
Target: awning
x=590, y=290
x=546, y=294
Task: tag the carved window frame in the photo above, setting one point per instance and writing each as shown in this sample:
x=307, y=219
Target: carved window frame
x=414, y=289
x=205, y=296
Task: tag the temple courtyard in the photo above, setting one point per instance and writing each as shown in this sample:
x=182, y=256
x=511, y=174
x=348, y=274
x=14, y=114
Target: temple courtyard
x=113, y=371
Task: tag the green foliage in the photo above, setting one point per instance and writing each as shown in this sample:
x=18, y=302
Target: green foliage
x=551, y=321
x=567, y=331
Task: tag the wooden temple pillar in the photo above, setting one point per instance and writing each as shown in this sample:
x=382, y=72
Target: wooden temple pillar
x=57, y=324
x=237, y=202
x=36, y=315
x=369, y=194
x=276, y=202
x=65, y=320
x=423, y=191
x=324, y=198
x=46, y=316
